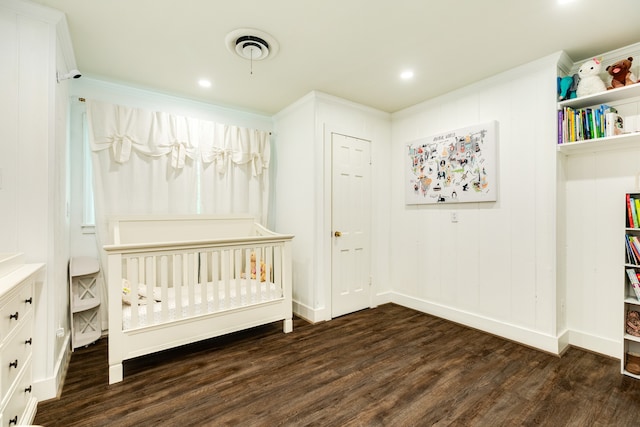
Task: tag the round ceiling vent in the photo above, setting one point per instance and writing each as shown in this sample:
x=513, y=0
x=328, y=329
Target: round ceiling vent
x=251, y=44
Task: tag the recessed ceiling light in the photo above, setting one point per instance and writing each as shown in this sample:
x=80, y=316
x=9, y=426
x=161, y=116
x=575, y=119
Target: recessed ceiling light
x=204, y=83
x=406, y=75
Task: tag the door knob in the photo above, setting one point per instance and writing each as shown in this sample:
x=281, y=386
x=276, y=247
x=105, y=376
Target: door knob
x=337, y=234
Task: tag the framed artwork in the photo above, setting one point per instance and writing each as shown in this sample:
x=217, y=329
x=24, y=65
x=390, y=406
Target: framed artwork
x=453, y=167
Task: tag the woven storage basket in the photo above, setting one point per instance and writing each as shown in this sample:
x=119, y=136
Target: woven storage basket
x=633, y=323
x=633, y=363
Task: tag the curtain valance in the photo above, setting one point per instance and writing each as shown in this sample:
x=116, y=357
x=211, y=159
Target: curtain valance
x=125, y=130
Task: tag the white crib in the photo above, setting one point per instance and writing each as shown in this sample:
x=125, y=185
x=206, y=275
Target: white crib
x=181, y=279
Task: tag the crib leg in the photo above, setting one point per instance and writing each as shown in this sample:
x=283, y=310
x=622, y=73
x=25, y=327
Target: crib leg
x=115, y=373
x=288, y=326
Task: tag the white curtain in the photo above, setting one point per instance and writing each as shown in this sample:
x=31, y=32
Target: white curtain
x=147, y=162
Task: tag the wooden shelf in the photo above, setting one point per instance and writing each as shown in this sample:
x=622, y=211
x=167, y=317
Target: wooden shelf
x=84, y=304
x=624, y=371
x=632, y=300
x=613, y=95
x=630, y=337
x=82, y=266
x=627, y=140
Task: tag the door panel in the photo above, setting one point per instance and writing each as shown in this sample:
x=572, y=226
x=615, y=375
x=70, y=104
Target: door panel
x=351, y=223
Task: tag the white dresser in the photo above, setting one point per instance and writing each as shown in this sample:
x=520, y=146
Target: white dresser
x=17, y=308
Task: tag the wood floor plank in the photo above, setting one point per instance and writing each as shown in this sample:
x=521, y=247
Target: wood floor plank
x=388, y=366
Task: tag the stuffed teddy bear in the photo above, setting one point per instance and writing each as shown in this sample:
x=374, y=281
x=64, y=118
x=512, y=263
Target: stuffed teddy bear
x=254, y=270
x=567, y=87
x=621, y=74
x=590, y=81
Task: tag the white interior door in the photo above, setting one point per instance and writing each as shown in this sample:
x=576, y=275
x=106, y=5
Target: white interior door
x=351, y=223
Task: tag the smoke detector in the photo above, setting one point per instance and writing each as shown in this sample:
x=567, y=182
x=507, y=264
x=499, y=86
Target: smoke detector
x=251, y=44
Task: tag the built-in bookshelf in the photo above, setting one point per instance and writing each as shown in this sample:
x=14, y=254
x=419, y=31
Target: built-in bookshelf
x=582, y=122
x=631, y=337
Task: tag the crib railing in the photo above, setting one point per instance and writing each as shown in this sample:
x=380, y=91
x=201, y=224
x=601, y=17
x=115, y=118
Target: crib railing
x=165, y=282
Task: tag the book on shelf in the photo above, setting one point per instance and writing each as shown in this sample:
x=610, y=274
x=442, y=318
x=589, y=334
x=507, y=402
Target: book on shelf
x=635, y=246
x=583, y=124
x=614, y=124
x=632, y=218
x=631, y=258
x=629, y=252
x=635, y=283
x=634, y=250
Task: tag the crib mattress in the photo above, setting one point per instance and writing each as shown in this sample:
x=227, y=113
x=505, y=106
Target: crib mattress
x=151, y=313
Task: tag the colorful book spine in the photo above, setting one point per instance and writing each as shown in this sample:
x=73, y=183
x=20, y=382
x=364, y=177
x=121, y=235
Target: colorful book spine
x=635, y=245
x=635, y=248
x=560, y=126
x=629, y=213
x=635, y=283
x=630, y=256
x=634, y=212
x=587, y=123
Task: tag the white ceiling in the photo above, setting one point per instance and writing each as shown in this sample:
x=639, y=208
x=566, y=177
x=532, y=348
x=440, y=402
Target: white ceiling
x=353, y=49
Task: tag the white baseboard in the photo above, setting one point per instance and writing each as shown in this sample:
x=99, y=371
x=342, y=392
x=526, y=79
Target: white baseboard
x=322, y=314
x=50, y=388
x=528, y=337
x=596, y=344
x=308, y=313
x=383, y=298
x=541, y=341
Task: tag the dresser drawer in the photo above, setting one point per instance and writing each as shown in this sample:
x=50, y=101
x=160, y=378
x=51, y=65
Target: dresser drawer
x=16, y=308
x=15, y=353
x=14, y=409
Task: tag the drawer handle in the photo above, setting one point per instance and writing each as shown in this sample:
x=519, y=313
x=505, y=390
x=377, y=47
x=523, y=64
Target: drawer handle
x=14, y=421
x=29, y=341
x=27, y=390
x=29, y=300
x=14, y=364
x=13, y=316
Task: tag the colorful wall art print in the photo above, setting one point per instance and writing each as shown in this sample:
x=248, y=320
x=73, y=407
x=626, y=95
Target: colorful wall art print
x=453, y=167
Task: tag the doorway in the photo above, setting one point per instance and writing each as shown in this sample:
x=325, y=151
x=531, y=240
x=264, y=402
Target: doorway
x=350, y=224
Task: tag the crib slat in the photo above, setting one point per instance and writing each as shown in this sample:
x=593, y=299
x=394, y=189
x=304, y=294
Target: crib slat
x=258, y=282
x=193, y=275
x=277, y=279
x=204, y=288
x=215, y=277
x=164, y=287
x=226, y=270
x=236, y=276
x=133, y=283
x=247, y=268
x=177, y=296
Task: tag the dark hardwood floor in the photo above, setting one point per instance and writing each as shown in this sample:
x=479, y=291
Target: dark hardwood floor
x=389, y=366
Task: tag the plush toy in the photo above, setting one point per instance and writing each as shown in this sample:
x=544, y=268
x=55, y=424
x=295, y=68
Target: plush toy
x=567, y=87
x=254, y=270
x=590, y=81
x=621, y=74
x=142, y=293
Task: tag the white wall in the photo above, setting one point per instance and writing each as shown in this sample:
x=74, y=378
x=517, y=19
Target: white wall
x=303, y=199
x=295, y=204
x=495, y=269
x=34, y=193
